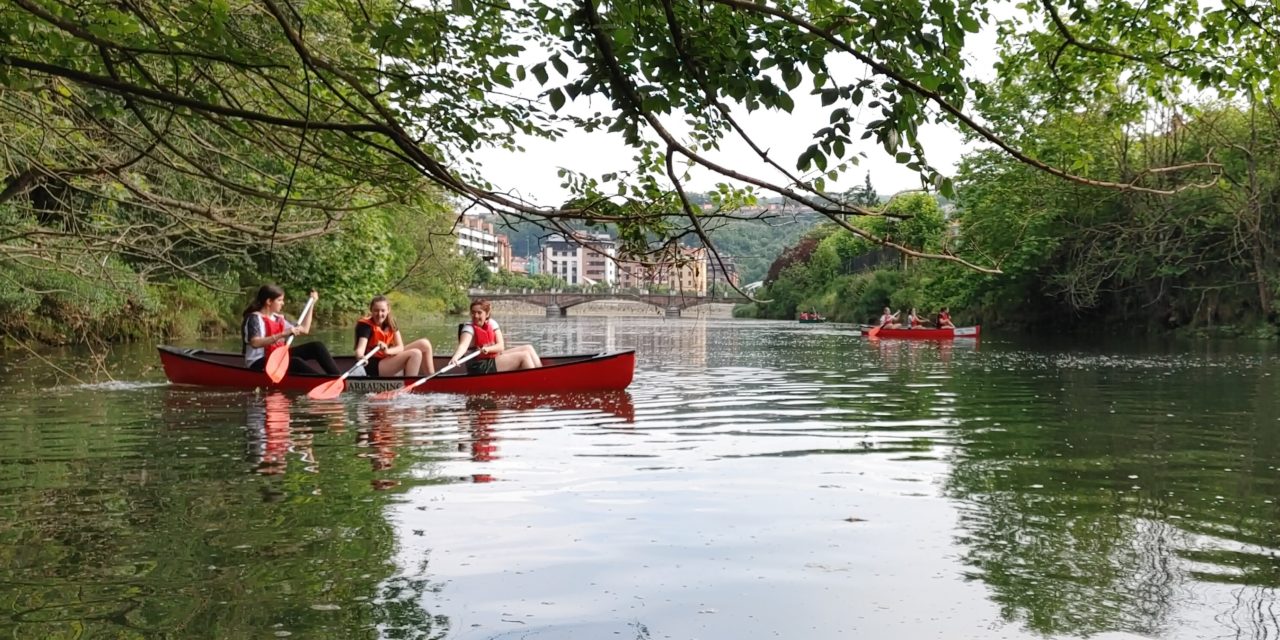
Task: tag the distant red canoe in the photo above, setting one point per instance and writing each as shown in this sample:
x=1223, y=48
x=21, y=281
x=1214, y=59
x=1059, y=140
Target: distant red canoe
x=926, y=334
x=560, y=374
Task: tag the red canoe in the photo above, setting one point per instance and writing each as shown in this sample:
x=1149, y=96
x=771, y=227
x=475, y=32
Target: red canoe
x=927, y=334
x=560, y=374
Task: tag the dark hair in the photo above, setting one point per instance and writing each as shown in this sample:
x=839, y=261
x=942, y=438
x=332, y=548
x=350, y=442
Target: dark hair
x=265, y=292
x=483, y=304
x=390, y=323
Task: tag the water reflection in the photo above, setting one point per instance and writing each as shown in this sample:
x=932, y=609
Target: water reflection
x=759, y=479
x=269, y=437
x=1102, y=507
x=380, y=436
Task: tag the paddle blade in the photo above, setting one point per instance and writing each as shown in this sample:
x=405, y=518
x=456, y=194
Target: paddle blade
x=328, y=390
x=278, y=364
x=875, y=331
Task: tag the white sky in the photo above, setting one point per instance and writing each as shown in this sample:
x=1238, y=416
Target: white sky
x=532, y=175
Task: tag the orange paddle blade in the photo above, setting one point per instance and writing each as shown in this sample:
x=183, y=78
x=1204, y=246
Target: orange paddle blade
x=328, y=390
x=872, y=333
x=278, y=364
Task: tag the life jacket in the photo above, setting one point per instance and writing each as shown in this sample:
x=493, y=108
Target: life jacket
x=484, y=336
x=272, y=325
x=915, y=321
x=886, y=319
x=385, y=336
x=943, y=318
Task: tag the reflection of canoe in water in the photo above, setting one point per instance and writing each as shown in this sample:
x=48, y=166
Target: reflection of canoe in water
x=927, y=334
x=560, y=374
x=617, y=403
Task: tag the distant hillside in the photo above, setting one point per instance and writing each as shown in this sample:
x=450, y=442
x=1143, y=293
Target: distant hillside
x=754, y=245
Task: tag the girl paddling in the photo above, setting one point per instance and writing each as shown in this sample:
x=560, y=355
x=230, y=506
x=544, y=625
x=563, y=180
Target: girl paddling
x=483, y=334
x=395, y=357
x=265, y=329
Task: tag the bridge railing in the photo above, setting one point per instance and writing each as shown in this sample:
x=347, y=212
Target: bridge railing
x=620, y=291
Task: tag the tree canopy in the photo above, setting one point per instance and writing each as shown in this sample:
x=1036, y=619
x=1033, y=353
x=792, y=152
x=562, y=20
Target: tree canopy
x=206, y=116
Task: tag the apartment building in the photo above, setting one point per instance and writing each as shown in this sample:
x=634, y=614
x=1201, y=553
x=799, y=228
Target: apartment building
x=477, y=236
x=580, y=259
x=682, y=270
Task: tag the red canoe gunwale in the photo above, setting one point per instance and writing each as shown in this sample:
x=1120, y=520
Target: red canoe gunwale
x=610, y=371
x=927, y=334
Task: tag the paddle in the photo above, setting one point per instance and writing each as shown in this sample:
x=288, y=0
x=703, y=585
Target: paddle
x=386, y=395
x=278, y=361
x=874, y=331
x=333, y=388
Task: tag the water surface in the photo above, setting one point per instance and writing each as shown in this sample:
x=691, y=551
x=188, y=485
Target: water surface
x=758, y=480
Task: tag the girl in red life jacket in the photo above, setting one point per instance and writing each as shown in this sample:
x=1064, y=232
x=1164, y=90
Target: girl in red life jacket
x=265, y=329
x=944, y=319
x=379, y=328
x=483, y=334
x=916, y=322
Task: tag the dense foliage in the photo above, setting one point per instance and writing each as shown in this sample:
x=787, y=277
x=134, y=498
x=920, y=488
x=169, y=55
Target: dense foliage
x=126, y=216
x=1075, y=256
x=184, y=138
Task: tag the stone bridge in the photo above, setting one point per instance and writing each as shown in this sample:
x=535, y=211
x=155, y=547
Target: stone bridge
x=557, y=303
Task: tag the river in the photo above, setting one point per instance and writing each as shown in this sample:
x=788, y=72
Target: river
x=758, y=480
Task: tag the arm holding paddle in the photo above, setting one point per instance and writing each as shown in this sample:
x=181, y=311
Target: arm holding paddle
x=464, y=342
x=304, y=320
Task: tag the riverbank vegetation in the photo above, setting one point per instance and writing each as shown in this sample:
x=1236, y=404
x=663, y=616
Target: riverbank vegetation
x=125, y=217
x=148, y=145
x=1074, y=257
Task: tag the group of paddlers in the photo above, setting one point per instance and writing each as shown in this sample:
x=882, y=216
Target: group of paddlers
x=266, y=329
x=890, y=320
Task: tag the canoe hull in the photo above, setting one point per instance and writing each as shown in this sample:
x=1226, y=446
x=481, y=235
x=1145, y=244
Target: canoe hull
x=611, y=371
x=927, y=334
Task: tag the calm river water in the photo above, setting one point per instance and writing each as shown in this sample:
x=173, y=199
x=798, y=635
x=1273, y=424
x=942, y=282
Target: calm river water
x=758, y=480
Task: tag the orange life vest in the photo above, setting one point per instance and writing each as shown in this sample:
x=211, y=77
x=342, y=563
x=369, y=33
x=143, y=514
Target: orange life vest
x=380, y=335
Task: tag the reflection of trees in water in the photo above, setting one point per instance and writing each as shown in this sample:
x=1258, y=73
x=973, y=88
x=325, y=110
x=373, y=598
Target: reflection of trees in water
x=168, y=535
x=1067, y=566
x=1254, y=614
x=1083, y=520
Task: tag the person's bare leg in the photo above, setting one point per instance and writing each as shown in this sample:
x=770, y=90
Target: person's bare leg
x=534, y=360
x=403, y=363
x=428, y=360
x=513, y=359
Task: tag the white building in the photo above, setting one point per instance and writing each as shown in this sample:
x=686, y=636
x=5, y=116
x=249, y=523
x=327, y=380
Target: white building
x=581, y=259
x=477, y=236
x=561, y=258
